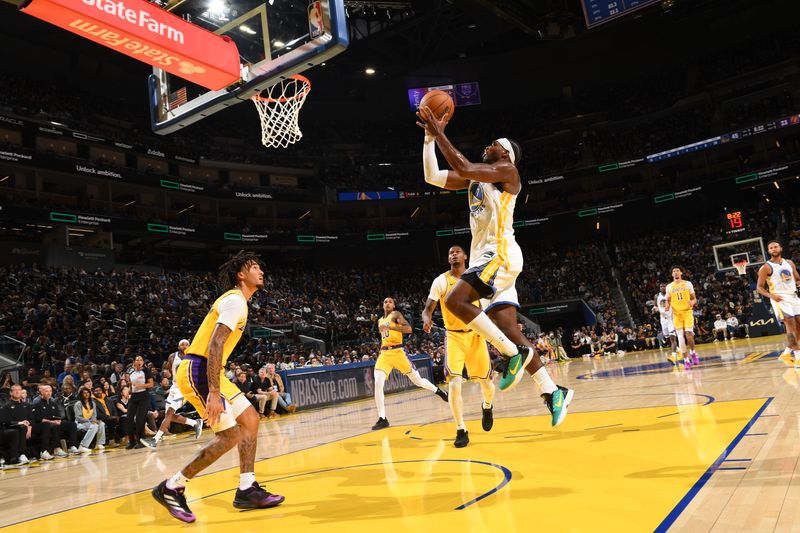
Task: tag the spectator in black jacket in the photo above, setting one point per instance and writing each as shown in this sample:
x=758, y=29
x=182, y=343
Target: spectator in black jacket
x=47, y=410
x=37, y=436
x=12, y=438
x=107, y=413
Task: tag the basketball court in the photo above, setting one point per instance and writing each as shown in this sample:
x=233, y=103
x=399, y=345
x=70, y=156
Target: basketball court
x=645, y=447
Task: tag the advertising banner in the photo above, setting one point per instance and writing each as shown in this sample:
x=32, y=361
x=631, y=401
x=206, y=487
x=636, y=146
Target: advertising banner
x=145, y=32
x=329, y=385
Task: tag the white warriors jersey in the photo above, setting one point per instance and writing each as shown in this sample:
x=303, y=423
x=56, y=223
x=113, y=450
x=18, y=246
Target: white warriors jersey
x=781, y=281
x=491, y=221
x=176, y=361
x=661, y=302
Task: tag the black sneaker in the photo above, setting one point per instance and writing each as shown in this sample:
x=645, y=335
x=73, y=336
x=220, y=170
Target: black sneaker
x=462, y=438
x=487, y=420
x=382, y=423
x=254, y=497
x=131, y=444
x=441, y=393
x=174, y=501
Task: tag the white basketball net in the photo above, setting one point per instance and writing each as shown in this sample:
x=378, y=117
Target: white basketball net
x=279, y=108
x=741, y=266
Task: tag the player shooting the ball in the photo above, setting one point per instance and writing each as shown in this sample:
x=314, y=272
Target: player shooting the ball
x=495, y=257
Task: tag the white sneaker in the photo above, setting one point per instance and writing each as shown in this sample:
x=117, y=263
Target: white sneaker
x=45, y=456
x=58, y=452
x=23, y=460
x=101, y=447
x=73, y=450
x=84, y=449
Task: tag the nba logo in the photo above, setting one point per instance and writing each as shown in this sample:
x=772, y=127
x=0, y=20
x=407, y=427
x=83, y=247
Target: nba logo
x=316, y=24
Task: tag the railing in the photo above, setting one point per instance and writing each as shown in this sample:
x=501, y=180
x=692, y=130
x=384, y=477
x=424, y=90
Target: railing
x=12, y=353
x=121, y=325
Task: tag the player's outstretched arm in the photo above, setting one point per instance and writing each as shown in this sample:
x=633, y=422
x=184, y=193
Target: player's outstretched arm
x=443, y=179
x=463, y=168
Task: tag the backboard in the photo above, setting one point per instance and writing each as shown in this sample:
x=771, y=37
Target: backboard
x=275, y=39
x=752, y=250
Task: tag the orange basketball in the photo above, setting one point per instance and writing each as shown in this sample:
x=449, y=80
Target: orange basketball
x=439, y=103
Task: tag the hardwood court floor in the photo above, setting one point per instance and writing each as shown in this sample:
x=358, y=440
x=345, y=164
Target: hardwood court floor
x=644, y=448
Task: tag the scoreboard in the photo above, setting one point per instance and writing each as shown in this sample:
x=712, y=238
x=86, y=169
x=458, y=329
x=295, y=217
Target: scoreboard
x=734, y=222
x=601, y=11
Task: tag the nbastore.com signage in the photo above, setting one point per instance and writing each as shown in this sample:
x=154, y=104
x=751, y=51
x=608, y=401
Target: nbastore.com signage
x=145, y=32
x=317, y=386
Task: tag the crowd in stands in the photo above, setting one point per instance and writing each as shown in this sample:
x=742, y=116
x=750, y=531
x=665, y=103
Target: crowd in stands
x=86, y=333
x=346, y=154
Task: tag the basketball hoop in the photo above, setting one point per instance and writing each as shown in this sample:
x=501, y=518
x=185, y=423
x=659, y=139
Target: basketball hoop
x=741, y=266
x=279, y=108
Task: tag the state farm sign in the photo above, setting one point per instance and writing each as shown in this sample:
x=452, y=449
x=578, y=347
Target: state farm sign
x=148, y=33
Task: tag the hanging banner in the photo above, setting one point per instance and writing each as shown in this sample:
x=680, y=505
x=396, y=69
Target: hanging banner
x=149, y=34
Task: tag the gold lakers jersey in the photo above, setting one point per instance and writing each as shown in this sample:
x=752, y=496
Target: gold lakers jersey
x=440, y=288
x=390, y=337
x=679, y=293
x=201, y=339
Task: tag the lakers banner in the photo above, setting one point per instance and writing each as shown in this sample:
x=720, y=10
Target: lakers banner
x=145, y=32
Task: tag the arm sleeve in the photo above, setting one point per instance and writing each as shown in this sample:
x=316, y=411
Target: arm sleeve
x=433, y=175
x=232, y=309
x=691, y=287
x=438, y=288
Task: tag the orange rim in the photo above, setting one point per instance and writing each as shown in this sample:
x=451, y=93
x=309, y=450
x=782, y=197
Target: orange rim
x=284, y=99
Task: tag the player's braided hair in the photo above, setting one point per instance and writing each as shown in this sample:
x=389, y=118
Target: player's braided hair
x=230, y=268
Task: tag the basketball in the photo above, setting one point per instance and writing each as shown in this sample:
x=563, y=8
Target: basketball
x=439, y=103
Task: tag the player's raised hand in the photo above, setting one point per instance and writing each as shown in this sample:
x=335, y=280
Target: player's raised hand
x=427, y=121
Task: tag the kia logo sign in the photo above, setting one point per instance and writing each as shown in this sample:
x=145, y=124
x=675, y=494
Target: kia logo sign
x=146, y=32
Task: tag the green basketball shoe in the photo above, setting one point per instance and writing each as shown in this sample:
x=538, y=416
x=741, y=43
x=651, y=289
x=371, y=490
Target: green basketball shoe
x=557, y=403
x=515, y=368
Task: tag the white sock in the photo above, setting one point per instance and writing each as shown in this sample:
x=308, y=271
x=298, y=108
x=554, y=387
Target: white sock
x=191, y=422
x=487, y=387
x=543, y=380
x=246, y=480
x=681, y=343
x=158, y=435
x=421, y=382
x=456, y=403
x=178, y=480
x=380, y=379
x=489, y=331
x=787, y=351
